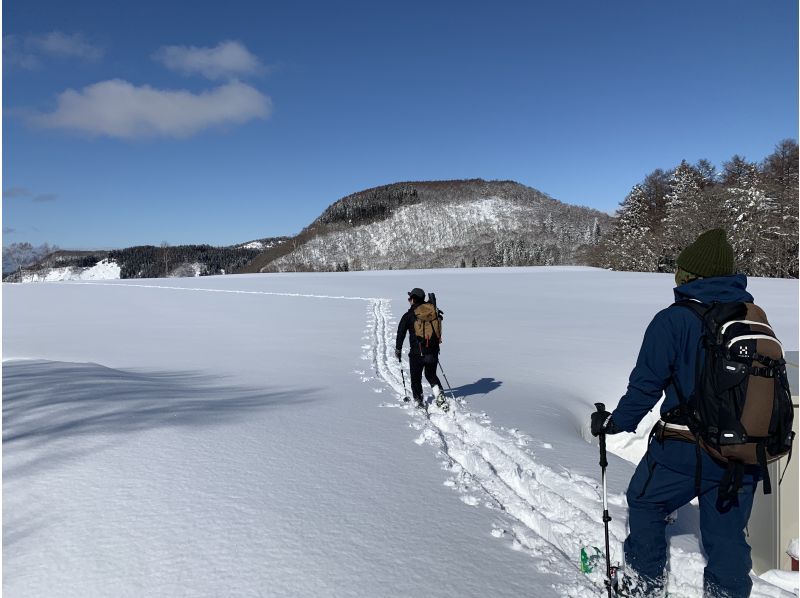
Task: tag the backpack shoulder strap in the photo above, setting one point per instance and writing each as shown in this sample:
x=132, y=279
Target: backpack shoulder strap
x=700, y=310
x=697, y=308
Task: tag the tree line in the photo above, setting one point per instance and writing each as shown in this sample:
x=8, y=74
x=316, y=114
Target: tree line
x=148, y=261
x=144, y=261
x=755, y=202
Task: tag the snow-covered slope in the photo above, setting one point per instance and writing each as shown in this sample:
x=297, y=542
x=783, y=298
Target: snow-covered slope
x=103, y=270
x=487, y=229
x=244, y=435
x=429, y=224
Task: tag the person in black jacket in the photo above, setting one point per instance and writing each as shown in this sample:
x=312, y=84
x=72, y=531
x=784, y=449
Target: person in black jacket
x=418, y=359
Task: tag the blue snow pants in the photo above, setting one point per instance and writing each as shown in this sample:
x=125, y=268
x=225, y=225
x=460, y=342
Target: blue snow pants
x=665, y=481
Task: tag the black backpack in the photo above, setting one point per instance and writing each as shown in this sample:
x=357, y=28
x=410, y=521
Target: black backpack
x=741, y=410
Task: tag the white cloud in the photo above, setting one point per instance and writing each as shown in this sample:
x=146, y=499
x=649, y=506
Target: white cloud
x=119, y=109
x=228, y=59
x=28, y=52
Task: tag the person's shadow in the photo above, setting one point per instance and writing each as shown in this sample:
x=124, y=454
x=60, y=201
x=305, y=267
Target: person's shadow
x=481, y=387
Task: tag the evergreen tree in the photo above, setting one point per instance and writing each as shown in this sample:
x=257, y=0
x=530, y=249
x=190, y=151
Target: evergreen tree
x=751, y=219
x=684, y=217
x=656, y=186
x=630, y=245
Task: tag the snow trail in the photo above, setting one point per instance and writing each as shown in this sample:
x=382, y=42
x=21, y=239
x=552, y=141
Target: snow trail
x=555, y=513
x=232, y=291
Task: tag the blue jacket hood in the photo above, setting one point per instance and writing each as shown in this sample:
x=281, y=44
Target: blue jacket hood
x=718, y=288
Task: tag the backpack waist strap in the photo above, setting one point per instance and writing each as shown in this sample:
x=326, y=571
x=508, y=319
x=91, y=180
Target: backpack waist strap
x=667, y=431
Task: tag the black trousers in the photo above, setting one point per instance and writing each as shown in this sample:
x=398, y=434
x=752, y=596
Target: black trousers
x=417, y=366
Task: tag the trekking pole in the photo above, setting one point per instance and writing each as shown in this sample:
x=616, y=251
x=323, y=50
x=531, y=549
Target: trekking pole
x=403, y=374
x=445, y=378
x=606, y=516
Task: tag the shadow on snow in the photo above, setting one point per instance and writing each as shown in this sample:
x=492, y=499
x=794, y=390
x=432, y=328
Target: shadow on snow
x=45, y=401
x=480, y=387
x=47, y=404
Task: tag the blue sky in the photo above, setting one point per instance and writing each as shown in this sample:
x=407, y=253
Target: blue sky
x=131, y=123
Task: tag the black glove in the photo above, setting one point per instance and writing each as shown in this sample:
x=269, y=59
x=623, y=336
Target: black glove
x=398, y=353
x=602, y=423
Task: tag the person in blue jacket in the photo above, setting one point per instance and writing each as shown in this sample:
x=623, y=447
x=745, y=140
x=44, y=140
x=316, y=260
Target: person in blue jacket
x=669, y=474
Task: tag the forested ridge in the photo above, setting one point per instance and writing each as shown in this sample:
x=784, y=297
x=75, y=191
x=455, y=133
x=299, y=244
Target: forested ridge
x=144, y=261
x=449, y=223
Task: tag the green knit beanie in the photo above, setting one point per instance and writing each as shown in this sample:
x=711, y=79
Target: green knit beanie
x=709, y=255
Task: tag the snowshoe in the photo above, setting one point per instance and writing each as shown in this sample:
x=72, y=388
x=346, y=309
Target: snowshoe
x=441, y=400
x=626, y=583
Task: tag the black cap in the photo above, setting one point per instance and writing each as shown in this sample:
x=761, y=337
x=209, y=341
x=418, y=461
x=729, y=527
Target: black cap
x=418, y=293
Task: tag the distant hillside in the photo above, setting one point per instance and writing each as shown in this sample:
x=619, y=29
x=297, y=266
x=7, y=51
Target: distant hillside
x=424, y=224
x=146, y=261
x=431, y=224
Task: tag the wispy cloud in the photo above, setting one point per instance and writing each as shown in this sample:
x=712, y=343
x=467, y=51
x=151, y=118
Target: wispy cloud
x=30, y=51
x=15, y=55
x=56, y=43
x=16, y=192
x=7, y=230
x=22, y=193
x=119, y=109
x=226, y=60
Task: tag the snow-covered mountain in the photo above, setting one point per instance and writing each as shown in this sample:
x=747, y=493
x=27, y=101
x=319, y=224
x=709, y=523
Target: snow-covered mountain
x=440, y=224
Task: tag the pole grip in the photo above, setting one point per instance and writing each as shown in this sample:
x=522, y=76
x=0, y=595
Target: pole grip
x=603, y=460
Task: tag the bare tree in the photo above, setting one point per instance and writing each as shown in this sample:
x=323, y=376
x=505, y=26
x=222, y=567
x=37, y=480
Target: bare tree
x=165, y=254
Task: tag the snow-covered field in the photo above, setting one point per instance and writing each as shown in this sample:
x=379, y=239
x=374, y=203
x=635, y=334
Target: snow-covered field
x=244, y=435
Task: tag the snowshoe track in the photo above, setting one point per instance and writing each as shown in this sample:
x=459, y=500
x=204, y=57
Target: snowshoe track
x=552, y=514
